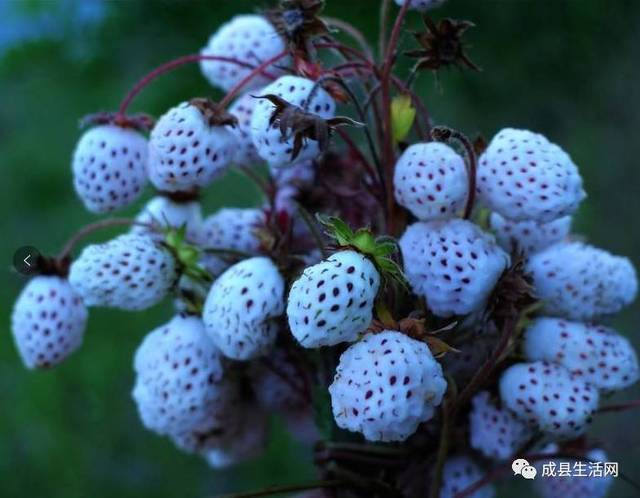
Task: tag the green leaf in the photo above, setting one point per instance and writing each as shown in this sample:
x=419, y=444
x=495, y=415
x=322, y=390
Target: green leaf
x=402, y=116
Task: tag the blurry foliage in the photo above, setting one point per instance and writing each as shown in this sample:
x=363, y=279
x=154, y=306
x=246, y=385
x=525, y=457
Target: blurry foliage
x=566, y=68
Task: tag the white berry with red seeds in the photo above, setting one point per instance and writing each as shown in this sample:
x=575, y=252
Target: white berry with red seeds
x=495, y=432
x=109, y=167
x=233, y=229
x=431, y=181
x=548, y=397
x=460, y=472
x=332, y=301
x=595, y=353
x=186, y=151
x=245, y=152
x=161, y=212
x=270, y=144
x=48, y=322
x=421, y=5
x=242, y=306
x=580, y=282
x=529, y=236
x=453, y=264
x=180, y=385
x=130, y=272
x=250, y=39
x=585, y=485
x=385, y=385
x=522, y=176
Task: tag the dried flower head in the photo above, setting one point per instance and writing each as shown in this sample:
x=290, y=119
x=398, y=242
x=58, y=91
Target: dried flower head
x=442, y=45
x=298, y=22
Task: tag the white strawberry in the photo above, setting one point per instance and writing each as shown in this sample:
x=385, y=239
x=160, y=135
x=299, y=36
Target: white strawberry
x=421, y=5
x=270, y=144
x=332, y=301
x=48, y=321
x=163, y=212
x=575, y=486
x=241, y=310
x=187, y=149
x=130, y=272
x=230, y=229
x=109, y=167
x=547, y=396
x=597, y=354
x=580, y=282
x=385, y=385
x=453, y=264
x=249, y=442
x=180, y=386
x=431, y=181
x=495, y=432
x=280, y=381
x=460, y=472
x=523, y=176
x=529, y=236
x=245, y=152
x=250, y=39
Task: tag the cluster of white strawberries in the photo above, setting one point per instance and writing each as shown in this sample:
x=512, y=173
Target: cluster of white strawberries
x=251, y=332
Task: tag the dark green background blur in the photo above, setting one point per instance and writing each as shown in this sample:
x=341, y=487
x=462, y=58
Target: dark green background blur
x=566, y=68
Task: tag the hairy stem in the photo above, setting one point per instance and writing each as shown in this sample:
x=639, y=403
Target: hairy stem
x=231, y=94
x=173, y=64
x=93, y=227
x=443, y=450
x=353, y=32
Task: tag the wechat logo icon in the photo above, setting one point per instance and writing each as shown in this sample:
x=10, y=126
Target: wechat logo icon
x=521, y=467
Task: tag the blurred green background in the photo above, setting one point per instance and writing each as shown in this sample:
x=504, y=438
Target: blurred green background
x=567, y=68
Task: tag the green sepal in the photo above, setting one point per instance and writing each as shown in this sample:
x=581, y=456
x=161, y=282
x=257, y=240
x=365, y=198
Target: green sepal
x=403, y=115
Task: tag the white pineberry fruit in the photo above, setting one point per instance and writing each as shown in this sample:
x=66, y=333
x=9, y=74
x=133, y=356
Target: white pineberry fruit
x=495, y=432
x=230, y=229
x=268, y=140
x=242, y=307
x=245, y=152
x=575, y=486
x=453, y=264
x=460, y=472
x=431, y=181
x=280, y=382
x=48, y=321
x=522, y=176
x=421, y=5
x=580, y=282
x=332, y=301
x=130, y=272
x=248, y=444
x=180, y=387
x=529, y=236
x=186, y=151
x=161, y=212
x=597, y=354
x=250, y=39
x=109, y=167
x=385, y=385
x=547, y=396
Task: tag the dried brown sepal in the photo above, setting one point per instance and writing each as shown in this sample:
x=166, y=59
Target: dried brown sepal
x=442, y=46
x=298, y=22
x=52, y=266
x=513, y=294
x=479, y=145
x=140, y=122
x=302, y=125
x=214, y=113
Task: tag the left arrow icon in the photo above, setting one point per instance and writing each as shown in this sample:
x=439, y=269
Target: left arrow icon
x=25, y=260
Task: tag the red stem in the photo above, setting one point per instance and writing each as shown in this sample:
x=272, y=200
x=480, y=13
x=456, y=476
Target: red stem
x=170, y=66
x=244, y=81
x=385, y=89
x=346, y=49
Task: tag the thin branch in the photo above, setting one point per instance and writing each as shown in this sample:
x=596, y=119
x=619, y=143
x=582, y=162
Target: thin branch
x=629, y=405
x=443, y=450
x=313, y=229
x=353, y=32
